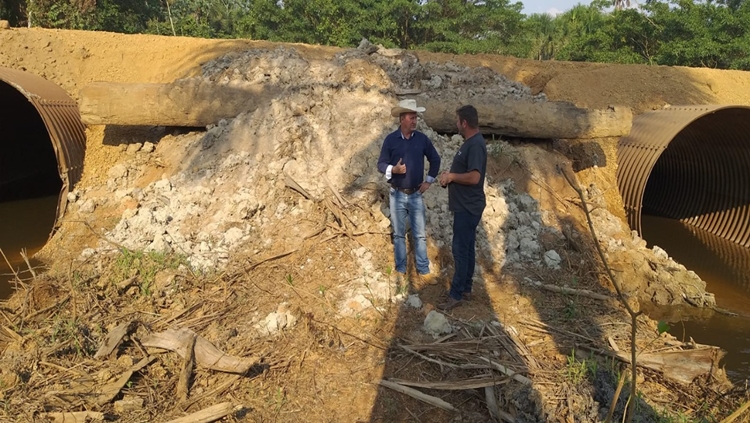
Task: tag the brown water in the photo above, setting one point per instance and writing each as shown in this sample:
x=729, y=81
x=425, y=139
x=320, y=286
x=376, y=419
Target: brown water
x=726, y=269
x=24, y=224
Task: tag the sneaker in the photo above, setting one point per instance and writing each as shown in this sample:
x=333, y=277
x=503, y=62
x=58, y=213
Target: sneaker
x=449, y=305
x=429, y=279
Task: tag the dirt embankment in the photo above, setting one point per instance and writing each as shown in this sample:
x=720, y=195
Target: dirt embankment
x=267, y=235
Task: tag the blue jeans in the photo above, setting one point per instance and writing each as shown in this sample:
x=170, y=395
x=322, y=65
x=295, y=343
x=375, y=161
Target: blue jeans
x=464, y=252
x=409, y=206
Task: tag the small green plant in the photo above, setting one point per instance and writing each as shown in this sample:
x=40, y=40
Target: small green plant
x=570, y=311
x=577, y=371
x=289, y=280
x=663, y=326
x=322, y=289
x=279, y=399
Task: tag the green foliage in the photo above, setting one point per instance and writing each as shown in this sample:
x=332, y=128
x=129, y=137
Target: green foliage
x=14, y=11
x=662, y=32
x=663, y=326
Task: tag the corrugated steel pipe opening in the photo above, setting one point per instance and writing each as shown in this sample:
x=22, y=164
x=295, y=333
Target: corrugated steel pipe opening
x=28, y=167
x=690, y=163
x=42, y=147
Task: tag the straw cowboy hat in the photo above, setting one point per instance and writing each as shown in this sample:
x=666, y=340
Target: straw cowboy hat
x=406, y=106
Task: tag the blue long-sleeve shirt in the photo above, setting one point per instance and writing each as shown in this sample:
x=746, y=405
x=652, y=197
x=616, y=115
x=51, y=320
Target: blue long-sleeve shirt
x=411, y=152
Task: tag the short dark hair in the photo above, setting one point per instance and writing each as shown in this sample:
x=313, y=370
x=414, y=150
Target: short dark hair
x=469, y=114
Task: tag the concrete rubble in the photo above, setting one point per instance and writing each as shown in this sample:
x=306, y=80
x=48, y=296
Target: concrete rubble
x=223, y=189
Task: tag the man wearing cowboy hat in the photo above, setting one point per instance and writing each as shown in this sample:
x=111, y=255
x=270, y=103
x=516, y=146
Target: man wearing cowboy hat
x=402, y=161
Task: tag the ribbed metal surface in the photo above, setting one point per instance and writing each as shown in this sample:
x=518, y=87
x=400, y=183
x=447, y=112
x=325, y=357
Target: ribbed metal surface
x=690, y=163
x=62, y=121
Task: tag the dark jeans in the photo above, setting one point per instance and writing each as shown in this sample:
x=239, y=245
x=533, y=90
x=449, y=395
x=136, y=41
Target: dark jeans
x=464, y=252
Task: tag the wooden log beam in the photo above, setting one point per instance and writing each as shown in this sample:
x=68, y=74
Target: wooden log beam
x=195, y=103
x=524, y=119
x=189, y=103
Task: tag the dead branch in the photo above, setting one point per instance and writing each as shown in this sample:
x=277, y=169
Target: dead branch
x=737, y=413
x=46, y=309
x=633, y=314
x=291, y=183
x=570, y=291
x=429, y=399
x=271, y=258
x=215, y=391
x=507, y=371
x=613, y=405
x=207, y=415
x=76, y=417
x=105, y=393
x=456, y=385
x=111, y=390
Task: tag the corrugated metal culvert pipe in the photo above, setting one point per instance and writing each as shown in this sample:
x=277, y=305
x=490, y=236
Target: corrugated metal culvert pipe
x=690, y=163
x=42, y=139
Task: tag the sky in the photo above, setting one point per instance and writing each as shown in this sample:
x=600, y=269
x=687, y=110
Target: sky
x=553, y=7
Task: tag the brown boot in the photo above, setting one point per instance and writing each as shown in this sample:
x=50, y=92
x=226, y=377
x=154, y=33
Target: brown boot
x=449, y=305
x=428, y=279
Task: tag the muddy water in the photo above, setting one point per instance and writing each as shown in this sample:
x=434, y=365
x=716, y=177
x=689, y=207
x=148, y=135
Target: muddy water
x=24, y=224
x=726, y=269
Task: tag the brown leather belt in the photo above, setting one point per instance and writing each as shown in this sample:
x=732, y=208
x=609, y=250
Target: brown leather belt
x=406, y=191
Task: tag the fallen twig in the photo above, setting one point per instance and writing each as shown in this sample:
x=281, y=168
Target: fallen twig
x=291, y=183
x=513, y=374
x=267, y=259
x=570, y=291
x=456, y=385
x=46, y=309
x=732, y=417
x=613, y=405
x=429, y=399
x=207, y=415
x=633, y=314
x=76, y=417
x=215, y=391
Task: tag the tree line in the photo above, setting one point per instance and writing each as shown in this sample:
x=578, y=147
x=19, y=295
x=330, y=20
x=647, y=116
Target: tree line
x=699, y=33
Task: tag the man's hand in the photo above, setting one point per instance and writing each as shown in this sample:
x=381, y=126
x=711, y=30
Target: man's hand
x=399, y=168
x=445, y=179
x=424, y=186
